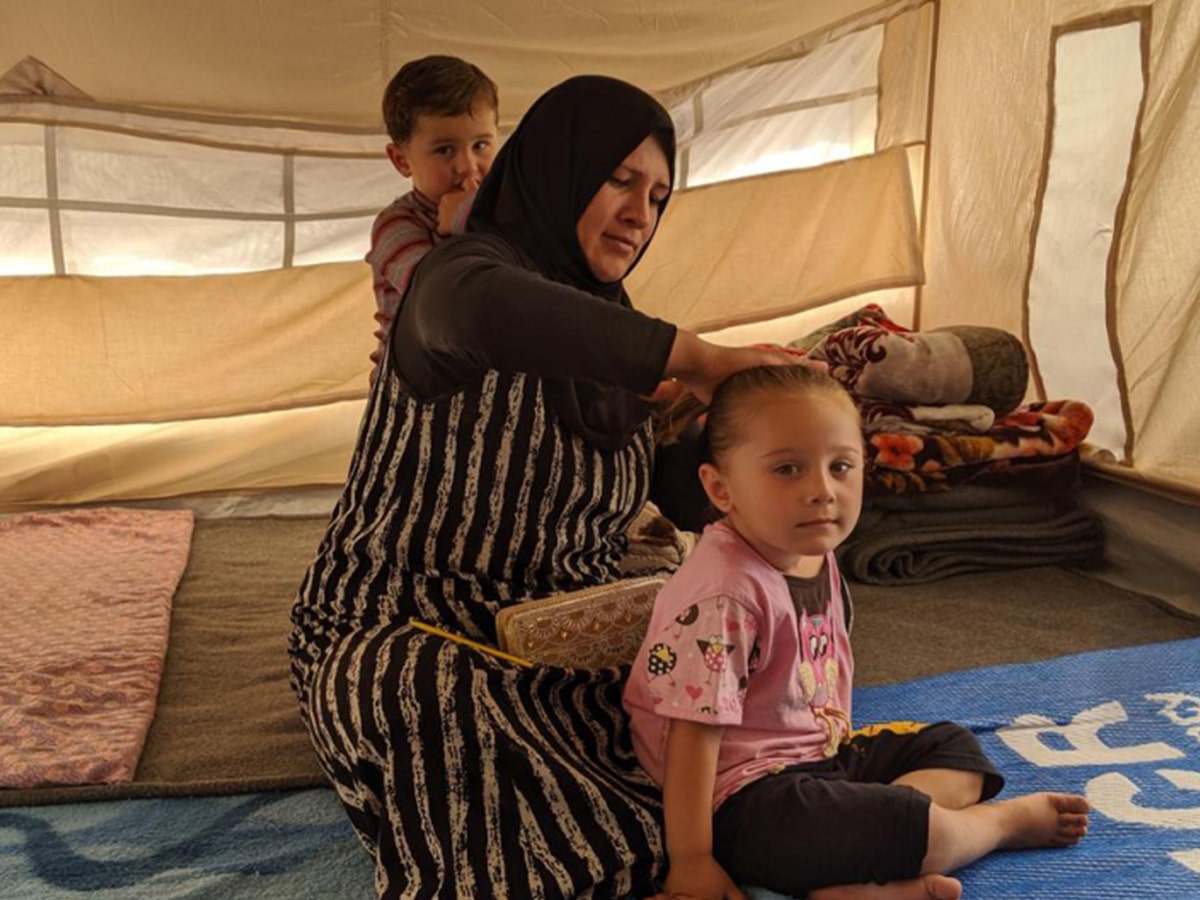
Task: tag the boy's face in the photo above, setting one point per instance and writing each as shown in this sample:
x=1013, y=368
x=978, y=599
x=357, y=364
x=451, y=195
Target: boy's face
x=448, y=153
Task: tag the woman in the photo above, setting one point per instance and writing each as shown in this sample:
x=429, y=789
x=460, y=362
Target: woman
x=503, y=457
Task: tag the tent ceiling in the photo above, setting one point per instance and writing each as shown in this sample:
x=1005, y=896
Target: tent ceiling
x=328, y=60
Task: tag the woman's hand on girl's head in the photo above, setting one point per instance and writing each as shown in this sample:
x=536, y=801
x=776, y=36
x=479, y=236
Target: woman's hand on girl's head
x=798, y=357
x=700, y=366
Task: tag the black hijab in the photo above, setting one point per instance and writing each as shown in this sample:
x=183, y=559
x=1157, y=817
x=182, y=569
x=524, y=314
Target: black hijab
x=568, y=143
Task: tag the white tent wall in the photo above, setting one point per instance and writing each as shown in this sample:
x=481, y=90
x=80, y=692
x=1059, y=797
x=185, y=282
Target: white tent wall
x=328, y=61
x=1108, y=298
x=1025, y=164
x=1132, y=321
x=242, y=376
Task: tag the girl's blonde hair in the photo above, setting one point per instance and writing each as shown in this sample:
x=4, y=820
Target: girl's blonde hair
x=727, y=410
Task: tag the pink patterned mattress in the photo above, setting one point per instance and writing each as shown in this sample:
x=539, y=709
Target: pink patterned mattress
x=85, y=607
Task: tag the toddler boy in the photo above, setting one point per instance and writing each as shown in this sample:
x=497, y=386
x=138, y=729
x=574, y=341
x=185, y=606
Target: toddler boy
x=442, y=117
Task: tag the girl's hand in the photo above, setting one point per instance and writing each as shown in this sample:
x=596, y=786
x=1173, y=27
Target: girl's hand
x=699, y=878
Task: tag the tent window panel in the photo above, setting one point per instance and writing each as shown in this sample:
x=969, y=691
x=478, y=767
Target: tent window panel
x=22, y=161
x=844, y=66
x=797, y=140
x=121, y=169
x=332, y=240
x=684, y=118
x=329, y=184
x=1098, y=89
x=25, y=242
x=904, y=70
x=128, y=244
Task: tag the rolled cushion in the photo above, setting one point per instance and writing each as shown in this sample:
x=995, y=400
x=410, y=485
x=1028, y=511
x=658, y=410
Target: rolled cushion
x=999, y=366
x=959, y=364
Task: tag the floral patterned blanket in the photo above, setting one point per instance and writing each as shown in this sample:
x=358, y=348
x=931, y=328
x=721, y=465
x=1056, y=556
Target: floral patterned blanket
x=906, y=462
x=940, y=408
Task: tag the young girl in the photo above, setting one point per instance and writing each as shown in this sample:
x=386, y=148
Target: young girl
x=740, y=695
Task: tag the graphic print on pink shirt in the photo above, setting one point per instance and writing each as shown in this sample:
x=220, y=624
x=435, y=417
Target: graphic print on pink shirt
x=818, y=670
x=818, y=674
x=705, y=645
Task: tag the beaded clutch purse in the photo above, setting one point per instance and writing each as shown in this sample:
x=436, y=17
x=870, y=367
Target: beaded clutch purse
x=591, y=629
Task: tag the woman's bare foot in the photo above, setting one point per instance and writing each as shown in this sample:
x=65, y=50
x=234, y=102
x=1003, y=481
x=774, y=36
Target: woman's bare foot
x=1043, y=820
x=927, y=887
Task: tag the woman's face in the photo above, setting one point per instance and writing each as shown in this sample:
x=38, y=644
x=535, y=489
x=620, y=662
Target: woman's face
x=621, y=218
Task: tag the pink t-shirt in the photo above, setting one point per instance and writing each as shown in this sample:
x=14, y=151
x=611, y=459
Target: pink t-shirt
x=726, y=647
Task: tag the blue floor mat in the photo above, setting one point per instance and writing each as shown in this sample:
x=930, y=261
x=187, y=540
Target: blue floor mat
x=269, y=846
x=1121, y=726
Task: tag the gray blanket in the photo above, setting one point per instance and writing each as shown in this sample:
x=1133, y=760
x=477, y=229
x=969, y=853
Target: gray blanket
x=913, y=547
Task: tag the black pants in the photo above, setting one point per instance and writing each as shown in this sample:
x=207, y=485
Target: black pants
x=842, y=821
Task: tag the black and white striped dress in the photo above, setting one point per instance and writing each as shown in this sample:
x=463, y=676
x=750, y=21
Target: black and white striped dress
x=466, y=776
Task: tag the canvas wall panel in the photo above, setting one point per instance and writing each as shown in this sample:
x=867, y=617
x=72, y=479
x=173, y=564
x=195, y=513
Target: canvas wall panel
x=916, y=173
x=109, y=350
x=101, y=463
x=1158, y=268
x=991, y=104
x=988, y=126
x=743, y=251
x=328, y=62
x=896, y=302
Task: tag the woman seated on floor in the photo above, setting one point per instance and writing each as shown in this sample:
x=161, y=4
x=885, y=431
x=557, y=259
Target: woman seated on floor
x=503, y=457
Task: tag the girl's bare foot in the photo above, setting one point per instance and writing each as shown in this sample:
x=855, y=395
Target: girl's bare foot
x=1043, y=820
x=927, y=887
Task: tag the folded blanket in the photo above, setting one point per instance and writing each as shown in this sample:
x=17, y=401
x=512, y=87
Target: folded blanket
x=85, y=604
x=902, y=462
x=898, y=418
x=917, y=547
x=1006, y=482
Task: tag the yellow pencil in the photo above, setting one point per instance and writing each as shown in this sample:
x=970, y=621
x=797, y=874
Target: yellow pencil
x=458, y=638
